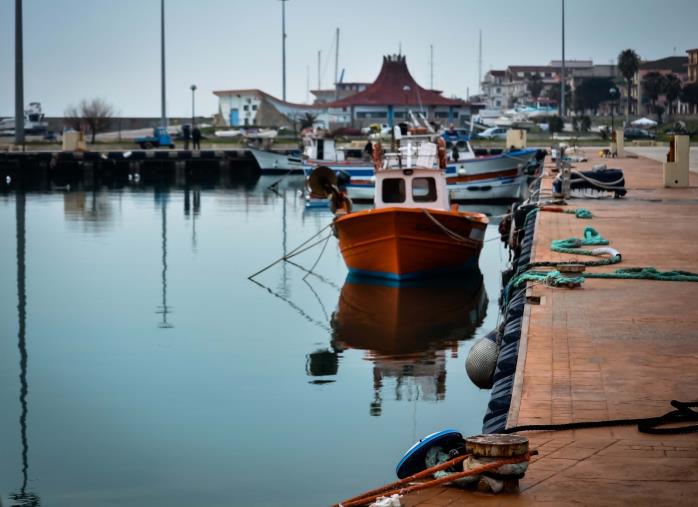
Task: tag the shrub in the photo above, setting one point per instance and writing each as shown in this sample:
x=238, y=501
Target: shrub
x=555, y=124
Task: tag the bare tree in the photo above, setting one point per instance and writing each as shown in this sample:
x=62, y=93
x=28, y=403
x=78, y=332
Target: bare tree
x=96, y=114
x=93, y=115
x=72, y=118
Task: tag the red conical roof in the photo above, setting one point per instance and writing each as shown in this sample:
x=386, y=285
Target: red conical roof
x=396, y=86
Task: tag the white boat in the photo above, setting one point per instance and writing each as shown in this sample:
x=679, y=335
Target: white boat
x=228, y=134
x=493, y=177
x=274, y=162
x=33, y=121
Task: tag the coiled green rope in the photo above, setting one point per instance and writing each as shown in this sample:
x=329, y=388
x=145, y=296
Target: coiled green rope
x=571, y=245
x=550, y=278
x=579, y=212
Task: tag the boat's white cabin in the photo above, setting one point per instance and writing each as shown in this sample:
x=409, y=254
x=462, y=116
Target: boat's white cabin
x=408, y=179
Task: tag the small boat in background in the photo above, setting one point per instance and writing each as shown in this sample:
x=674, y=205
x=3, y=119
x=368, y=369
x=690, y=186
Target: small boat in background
x=277, y=162
x=412, y=231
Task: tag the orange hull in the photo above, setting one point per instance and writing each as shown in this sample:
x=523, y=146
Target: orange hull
x=405, y=243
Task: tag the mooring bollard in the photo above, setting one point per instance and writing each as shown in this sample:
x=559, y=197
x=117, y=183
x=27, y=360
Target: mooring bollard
x=494, y=447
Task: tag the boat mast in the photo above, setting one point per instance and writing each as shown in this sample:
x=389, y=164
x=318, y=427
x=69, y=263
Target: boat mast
x=336, y=66
x=319, y=79
x=479, y=65
x=431, y=66
x=283, y=48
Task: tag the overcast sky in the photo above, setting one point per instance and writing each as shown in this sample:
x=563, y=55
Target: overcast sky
x=75, y=49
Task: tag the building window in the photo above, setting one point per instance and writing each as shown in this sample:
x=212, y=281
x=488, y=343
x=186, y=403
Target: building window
x=498, y=90
x=245, y=107
x=254, y=107
x=498, y=103
x=424, y=190
x=393, y=190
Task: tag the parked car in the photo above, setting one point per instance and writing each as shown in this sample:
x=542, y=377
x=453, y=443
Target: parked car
x=493, y=133
x=632, y=133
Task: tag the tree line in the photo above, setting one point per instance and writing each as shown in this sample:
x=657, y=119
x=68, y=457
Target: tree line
x=592, y=92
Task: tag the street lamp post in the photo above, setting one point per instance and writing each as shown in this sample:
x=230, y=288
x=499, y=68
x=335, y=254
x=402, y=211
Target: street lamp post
x=193, y=116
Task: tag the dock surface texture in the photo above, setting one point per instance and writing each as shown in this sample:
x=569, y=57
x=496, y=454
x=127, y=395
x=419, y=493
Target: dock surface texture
x=612, y=349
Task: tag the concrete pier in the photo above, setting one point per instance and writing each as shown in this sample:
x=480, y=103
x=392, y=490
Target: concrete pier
x=612, y=349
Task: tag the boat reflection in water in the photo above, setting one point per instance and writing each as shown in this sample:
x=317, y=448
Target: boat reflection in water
x=407, y=330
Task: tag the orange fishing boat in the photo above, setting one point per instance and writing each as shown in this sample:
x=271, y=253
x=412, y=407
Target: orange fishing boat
x=412, y=231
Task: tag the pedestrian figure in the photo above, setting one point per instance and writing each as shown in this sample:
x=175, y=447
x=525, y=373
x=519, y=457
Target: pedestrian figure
x=454, y=154
x=186, y=135
x=196, y=138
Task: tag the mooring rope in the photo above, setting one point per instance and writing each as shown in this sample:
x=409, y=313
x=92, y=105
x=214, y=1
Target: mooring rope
x=298, y=250
x=450, y=233
x=683, y=413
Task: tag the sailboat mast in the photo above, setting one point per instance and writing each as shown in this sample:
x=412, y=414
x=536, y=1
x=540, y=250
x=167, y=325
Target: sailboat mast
x=431, y=65
x=283, y=48
x=319, y=79
x=336, y=65
x=479, y=65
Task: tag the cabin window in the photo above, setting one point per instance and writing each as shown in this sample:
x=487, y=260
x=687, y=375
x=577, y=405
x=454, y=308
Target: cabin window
x=393, y=190
x=423, y=190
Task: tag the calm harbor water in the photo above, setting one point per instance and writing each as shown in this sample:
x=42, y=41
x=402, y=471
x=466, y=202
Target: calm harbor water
x=139, y=365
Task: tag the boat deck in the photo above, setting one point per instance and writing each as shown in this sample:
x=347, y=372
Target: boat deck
x=611, y=349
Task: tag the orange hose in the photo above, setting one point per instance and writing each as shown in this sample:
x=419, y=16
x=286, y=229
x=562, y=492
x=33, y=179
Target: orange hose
x=443, y=480
x=413, y=477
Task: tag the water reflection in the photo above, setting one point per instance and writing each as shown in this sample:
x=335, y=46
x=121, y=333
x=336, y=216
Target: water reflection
x=407, y=332
x=94, y=210
x=162, y=198
x=22, y=498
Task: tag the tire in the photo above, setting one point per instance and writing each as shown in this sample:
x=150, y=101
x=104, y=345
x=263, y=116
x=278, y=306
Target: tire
x=172, y=146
